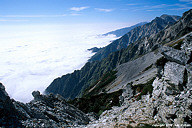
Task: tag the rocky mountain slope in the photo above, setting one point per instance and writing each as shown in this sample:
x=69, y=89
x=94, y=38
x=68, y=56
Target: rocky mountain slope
x=92, y=71
x=123, y=31
x=165, y=100
x=44, y=111
x=146, y=30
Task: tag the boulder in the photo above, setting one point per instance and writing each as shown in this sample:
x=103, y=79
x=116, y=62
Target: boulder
x=175, y=55
x=173, y=74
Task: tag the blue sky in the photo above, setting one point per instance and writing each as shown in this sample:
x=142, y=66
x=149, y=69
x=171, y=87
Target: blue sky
x=88, y=11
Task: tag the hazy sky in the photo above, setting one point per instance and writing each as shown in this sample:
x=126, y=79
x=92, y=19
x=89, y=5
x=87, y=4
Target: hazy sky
x=88, y=11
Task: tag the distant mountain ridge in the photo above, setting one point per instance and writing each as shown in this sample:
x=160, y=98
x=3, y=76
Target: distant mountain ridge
x=72, y=85
x=123, y=31
x=149, y=29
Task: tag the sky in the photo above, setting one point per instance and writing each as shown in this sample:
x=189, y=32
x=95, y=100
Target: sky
x=41, y=40
x=88, y=11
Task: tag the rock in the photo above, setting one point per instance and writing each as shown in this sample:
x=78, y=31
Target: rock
x=92, y=116
x=9, y=116
x=36, y=95
x=173, y=74
x=175, y=55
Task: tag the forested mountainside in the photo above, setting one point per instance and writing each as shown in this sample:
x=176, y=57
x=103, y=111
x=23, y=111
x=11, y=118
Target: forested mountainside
x=149, y=29
x=72, y=85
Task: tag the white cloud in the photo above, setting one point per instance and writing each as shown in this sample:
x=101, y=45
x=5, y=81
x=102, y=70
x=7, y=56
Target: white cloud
x=104, y=9
x=32, y=16
x=5, y=20
x=159, y=6
x=180, y=8
x=78, y=8
x=75, y=14
x=32, y=56
x=185, y=0
x=132, y=4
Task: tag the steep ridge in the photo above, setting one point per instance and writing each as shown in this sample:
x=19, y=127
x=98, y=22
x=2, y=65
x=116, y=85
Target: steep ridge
x=72, y=85
x=149, y=29
x=123, y=31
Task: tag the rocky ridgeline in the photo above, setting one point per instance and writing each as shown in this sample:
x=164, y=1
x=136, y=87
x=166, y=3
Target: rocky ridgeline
x=169, y=104
x=44, y=111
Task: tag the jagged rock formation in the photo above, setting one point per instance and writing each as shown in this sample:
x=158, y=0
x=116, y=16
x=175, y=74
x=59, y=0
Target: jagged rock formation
x=170, y=102
x=81, y=79
x=44, y=111
x=9, y=116
x=147, y=30
x=123, y=31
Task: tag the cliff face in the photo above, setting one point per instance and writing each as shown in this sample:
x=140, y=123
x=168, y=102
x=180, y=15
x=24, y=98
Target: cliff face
x=72, y=85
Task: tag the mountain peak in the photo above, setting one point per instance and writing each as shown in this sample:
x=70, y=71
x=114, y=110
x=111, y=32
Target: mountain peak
x=169, y=17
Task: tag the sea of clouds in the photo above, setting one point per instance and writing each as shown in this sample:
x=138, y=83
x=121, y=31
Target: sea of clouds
x=32, y=56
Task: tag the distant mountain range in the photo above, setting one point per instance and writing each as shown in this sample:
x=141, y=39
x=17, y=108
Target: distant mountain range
x=72, y=85
x=149, y=29
x=123, y=31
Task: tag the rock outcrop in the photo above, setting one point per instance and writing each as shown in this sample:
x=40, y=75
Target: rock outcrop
x=44, y=111
x=9, y=116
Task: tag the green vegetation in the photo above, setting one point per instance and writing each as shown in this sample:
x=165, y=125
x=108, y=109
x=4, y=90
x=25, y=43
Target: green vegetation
x=143, y=88
x=178, y=45
x=98, y=103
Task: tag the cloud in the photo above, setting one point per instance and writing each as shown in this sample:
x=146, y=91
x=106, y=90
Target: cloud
x=180, y=8
x=4, y=20
x=78, y=8
x=132, y=4
x=32, y=16
x=34, y=55
x=159, y=6
x=104, y=10
x=75, y=14
x=185, y=0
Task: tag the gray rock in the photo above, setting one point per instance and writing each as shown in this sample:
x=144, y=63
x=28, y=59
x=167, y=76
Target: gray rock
x=175, y=55
x=173, y=74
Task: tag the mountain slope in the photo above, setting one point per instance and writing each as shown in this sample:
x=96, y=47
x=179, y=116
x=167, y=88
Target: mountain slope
x=149, y=29
x=165, y=98
x=72, y=85
x=123, y=31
